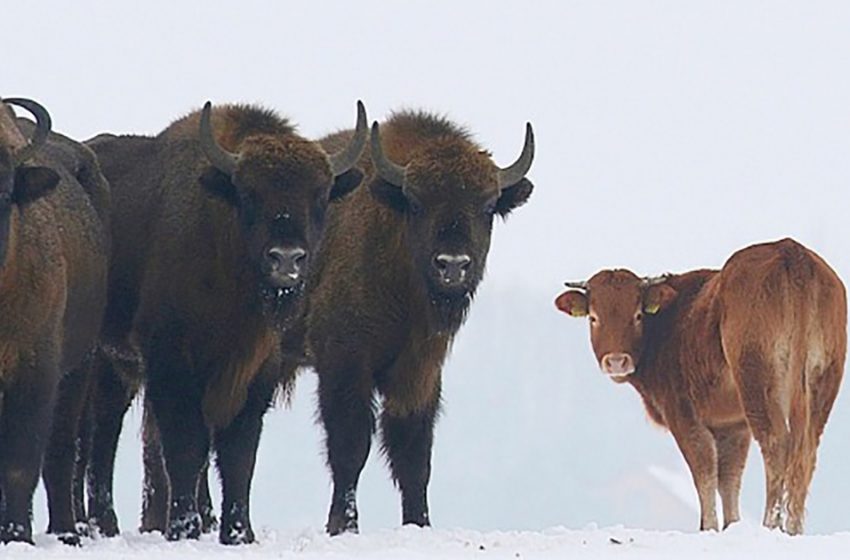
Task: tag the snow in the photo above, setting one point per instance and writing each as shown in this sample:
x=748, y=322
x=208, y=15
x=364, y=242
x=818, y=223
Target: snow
x=743, y=541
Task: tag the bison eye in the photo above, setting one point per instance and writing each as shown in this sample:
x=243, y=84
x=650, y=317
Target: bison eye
x=593, y=319
x=638, y=317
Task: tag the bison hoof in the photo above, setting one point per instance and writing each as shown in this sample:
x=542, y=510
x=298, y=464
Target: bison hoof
x=338, y=524
x=185, y=527
x=237, y=533
x=106, y=525
x=70, y=538
x=209, y=522
x=15, y=532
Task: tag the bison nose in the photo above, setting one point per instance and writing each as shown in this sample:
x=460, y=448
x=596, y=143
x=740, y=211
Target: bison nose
x=452, y=268
x=285, y=265
x=617, y=364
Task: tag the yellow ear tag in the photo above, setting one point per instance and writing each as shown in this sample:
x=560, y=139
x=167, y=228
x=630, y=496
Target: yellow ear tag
x=652, y=308
x=578, y=311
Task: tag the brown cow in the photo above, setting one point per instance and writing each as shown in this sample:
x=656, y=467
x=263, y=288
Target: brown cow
x=758, y=346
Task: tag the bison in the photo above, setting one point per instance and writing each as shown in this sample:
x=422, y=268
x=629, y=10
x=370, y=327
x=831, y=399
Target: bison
x=217, y=222
x=395, y=277
x=757, y=347
x=54, y=247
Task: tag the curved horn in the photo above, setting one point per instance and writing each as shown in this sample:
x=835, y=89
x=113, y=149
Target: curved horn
x=387, y=170
x=578, y=285
x=345, y=159
x=218, y=156
x=648, y=281
x=42, y=128
x=514, y=173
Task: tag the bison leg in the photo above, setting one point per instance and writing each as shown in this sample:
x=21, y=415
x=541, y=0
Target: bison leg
x=407, y=442
x=733, y=444
x=112, y=398
x=698, y=447
x=236, y=452
x=175, y=399
x=349, y=421
x=209, y=523
x=62, y=451
x=24, y=429
x=155, y=485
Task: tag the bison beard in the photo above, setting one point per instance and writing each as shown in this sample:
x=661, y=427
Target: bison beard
x=281, y=305
x=448, y=311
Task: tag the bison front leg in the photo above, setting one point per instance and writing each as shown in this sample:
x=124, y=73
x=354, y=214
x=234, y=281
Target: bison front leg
x=24, y=430
x=175, y=399
x=236, y=453
x=345, y=405
x=155, y=483
x=407, y=442
x=697, y=445
x=61, y=456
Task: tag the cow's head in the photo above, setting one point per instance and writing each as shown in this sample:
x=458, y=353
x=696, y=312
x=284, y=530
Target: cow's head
x=280, y=187
x=449, y=192
x=619, y=306
x=20, y=182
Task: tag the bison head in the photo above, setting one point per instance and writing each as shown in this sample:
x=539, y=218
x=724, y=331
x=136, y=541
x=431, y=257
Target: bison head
x=280, y=187
x=449, y=192
x=619, y=306
x=20, y=183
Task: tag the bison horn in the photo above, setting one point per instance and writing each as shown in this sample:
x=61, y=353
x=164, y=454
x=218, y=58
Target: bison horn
x=345, y=159
x=514, y=173
x=387, y=170
x=647, y=281
x=42, y=129
x=577, y=285
x=223, y=160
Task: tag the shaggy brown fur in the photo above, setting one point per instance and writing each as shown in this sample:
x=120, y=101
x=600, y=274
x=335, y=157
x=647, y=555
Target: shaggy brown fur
x=757, y=347
x=378, y=322
x=191, y=289
x=52, y=292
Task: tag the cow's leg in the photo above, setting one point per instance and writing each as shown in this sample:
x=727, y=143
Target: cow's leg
x=755, y=377
x=24, y=431
x=733, y=444
x=82, y=463
x=61, y=455
x=112, y=398
x=209, y=522
x=236, y=453
x=407, y=440
x=698, y=447
x=155, y=491
x=345, y=406
x=806, y=432
x=175, y=399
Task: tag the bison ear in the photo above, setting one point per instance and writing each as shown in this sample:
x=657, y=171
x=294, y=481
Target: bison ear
x=657, y=298
x=573, y=303
x=389, y=194
x=219, y=185
x=345, y=183
x=513, y=197
x=32, y=183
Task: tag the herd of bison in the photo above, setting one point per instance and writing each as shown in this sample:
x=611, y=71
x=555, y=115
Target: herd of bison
x=209, y=263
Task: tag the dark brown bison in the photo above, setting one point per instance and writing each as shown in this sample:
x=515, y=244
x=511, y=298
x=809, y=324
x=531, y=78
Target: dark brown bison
x=757, y=347
x=53, y=265
x=399, y=267
x=216, y=223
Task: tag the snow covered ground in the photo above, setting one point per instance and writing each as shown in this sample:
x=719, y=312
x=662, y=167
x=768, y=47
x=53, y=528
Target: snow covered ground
x=746, y=541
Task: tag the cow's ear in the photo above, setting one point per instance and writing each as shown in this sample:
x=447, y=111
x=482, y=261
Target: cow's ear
x=389, y=194
x=573, y=303
x=345, y=183
x=32, y=183
x=513, y=196
x=657, y=298
x=219, y=185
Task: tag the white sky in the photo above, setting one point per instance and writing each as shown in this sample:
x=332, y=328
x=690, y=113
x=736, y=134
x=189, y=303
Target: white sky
x=669, y=134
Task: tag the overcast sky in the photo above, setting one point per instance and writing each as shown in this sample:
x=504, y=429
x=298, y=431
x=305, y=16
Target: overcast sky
x=669, y=134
